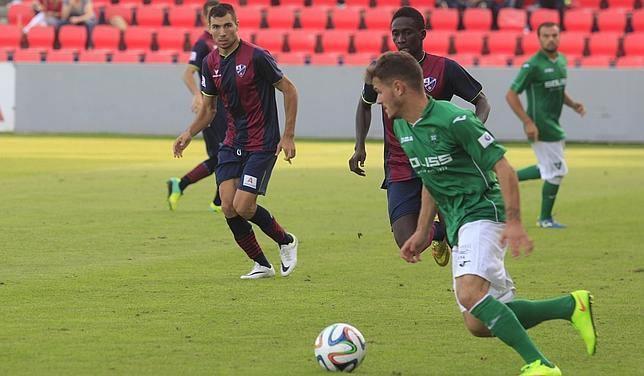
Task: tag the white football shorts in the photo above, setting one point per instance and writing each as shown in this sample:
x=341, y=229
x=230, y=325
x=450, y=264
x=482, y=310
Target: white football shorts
x=551, y=159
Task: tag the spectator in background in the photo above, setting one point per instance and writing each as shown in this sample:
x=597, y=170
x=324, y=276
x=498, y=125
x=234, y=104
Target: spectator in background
x=78, y=12
x=48, y=12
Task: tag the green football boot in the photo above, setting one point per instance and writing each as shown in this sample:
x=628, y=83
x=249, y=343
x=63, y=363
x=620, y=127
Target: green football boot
x=174, y=192
x=537, y=368
x=582, y=319
x=214, y=208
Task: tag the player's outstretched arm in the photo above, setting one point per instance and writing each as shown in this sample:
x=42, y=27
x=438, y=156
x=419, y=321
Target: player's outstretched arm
x=578, y=107
x=202, y=120
x=482, y=107
x=514, y=235
x=287, y=143
x=420, y=239
x=529, y=127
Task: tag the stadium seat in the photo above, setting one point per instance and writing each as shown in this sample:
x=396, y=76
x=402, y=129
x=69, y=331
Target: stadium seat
x=379, y=18
x=325, y=59
x=358, y=3
x=437, y=42
x=390, y=3
x=314, y=18
x=71, y=36
x=335, y=41
x=604, y=44
x=106, y=37
x=496, y=60
x=271, y=39
x=595, y=61
x=512, y=19
x=183, y=16
x=183, y=57
x=370, y=41
x=530, y=44
x=477, y=19
x=466, y=60
x=194, y=35
x=345, y=18
x=291, y=58
x=281, y=17
x=28, y=56
x=150, y=15
x=249, y=17
x=503, y=42
x=92, y=56
x=589, y=4
x=444, y=19
x=4, y=53
x=164, y=3
x=630, y=62
x=10, y=36
x=469, y=42
x=124, y=57
x=20, y=13
x=125, y=11
x=160, y=57
x=572, y=43
x=61, y=56
x=139, y=38
x=638, y=20
x=634, y=44
x=579, y=20
x=41, y=37
x=301, y=41
x=172, y=38
x=325, y=3
x=361, y=60
x=292, y=3
x=132, y=3
x=624, y=4
x=539, y=16
x=612, y=20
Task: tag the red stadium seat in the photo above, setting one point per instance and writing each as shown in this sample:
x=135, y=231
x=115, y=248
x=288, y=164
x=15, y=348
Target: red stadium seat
x=301, y=41
x=183, y=16
x=71, y=36
x=124, y=11
x=194, y=35
x=28, y=56
x=477, y=19
x=20, y=13
x=437, y=42
x=444, y=19
x=281, y=17
x=634, y=44
x=466, y=60
x=530, y=44
x=150, y=15
x=314, y=18
x=539, y=16
x=139, y=38
x=160, y=57
x=503, y=42
x=579, y=20
x=390, y=3
x=10, y=36
x=358, y=3
x=335, y=41
x=106, y=37
x=624, y=4
x=61, y=56
x=325, y=59
x=589, y=4
x=132, y=3
x=630, y=62
x=604, y=44
x=346, y=18
x=291, y=58
x=183, y=57
x=612, y=20
x=271, y=39
x=41, y=37
x=572, y=43
x=361, y=60
x=249, y=17
x=164, y=3
x=370, y=41
x=512, y=19
x=92, y=56
x=4, y=53
x=292, y=3
x=125, y=57
x=469, y=42
x=496, y=60
x=379, y=18
x=596, y=61
x=638, y=20
x=172, y=38
x=325, y=3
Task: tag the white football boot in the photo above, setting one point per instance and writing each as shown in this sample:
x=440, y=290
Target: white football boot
x=288, y=254
x=259, y=271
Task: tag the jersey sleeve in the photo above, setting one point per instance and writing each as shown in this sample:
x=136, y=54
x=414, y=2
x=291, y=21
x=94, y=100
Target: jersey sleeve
x=476, y=140
x=369, y=95
x=207, y=84
x=199, y=51
x=266, y=67
x=463, y=84
x=523, y=79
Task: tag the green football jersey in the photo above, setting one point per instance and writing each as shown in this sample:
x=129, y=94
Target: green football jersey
x=544, y=81
x=453, y=153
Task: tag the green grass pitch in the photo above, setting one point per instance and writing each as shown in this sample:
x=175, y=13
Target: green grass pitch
x=98, y=277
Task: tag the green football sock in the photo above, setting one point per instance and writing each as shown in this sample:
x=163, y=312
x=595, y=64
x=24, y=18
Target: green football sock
x=529, y=173
x=503, y=324
x=533, y=312
x=548, y=196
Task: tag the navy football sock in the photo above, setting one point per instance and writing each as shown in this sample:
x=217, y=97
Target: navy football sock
x=245, y=238
x=269, y=225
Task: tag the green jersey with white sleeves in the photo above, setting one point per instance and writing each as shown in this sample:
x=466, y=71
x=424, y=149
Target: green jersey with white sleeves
x=453, y=153
x=544, y=82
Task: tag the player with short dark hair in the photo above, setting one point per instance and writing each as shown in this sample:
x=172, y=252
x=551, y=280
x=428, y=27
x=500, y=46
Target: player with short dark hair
x=212, y=135
x=543, y=78
x=442, y=79
x=464, y=172
x=244, y=77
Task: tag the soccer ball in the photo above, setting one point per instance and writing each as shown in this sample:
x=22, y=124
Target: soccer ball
x=340, y=347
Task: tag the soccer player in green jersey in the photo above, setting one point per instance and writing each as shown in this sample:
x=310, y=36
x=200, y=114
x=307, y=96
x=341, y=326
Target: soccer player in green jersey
x=464, y=172
x=543, y=78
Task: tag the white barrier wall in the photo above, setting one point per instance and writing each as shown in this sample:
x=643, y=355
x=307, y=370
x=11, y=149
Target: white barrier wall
x=7, y=97
x=151, y=99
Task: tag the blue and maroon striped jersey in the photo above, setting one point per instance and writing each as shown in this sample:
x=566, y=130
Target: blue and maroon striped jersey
x=244, y=81
x=443, y=78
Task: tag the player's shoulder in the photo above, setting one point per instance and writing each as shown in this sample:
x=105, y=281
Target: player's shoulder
x=450, y=114
x=531, y=62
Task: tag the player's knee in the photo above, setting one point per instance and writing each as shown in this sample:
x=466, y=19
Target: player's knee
x=228, y=209
x=469, y=297
x=555, y=180
x=244, y=209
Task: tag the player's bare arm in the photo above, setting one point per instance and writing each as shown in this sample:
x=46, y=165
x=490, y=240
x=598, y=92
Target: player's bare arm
x=189, y=81
x=578, y=107
x=529, y=127
x=287, y=143
x=482, y=107
x=363, y=123
x=203, y=118
x=420, y=240
x=514, y=235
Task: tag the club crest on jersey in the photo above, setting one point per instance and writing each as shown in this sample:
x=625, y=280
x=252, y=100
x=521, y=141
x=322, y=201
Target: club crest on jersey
x=430, y=83
x=241, y=70
x=433, y=139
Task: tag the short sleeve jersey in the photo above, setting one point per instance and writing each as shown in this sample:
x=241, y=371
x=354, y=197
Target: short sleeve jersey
x=244, y=81
x=443, y=78
x=453, y=153
x=544, y=82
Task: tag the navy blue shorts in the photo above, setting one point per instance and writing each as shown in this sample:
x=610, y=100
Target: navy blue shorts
x=253, y=168
x=404, y=198
x=213, y=136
